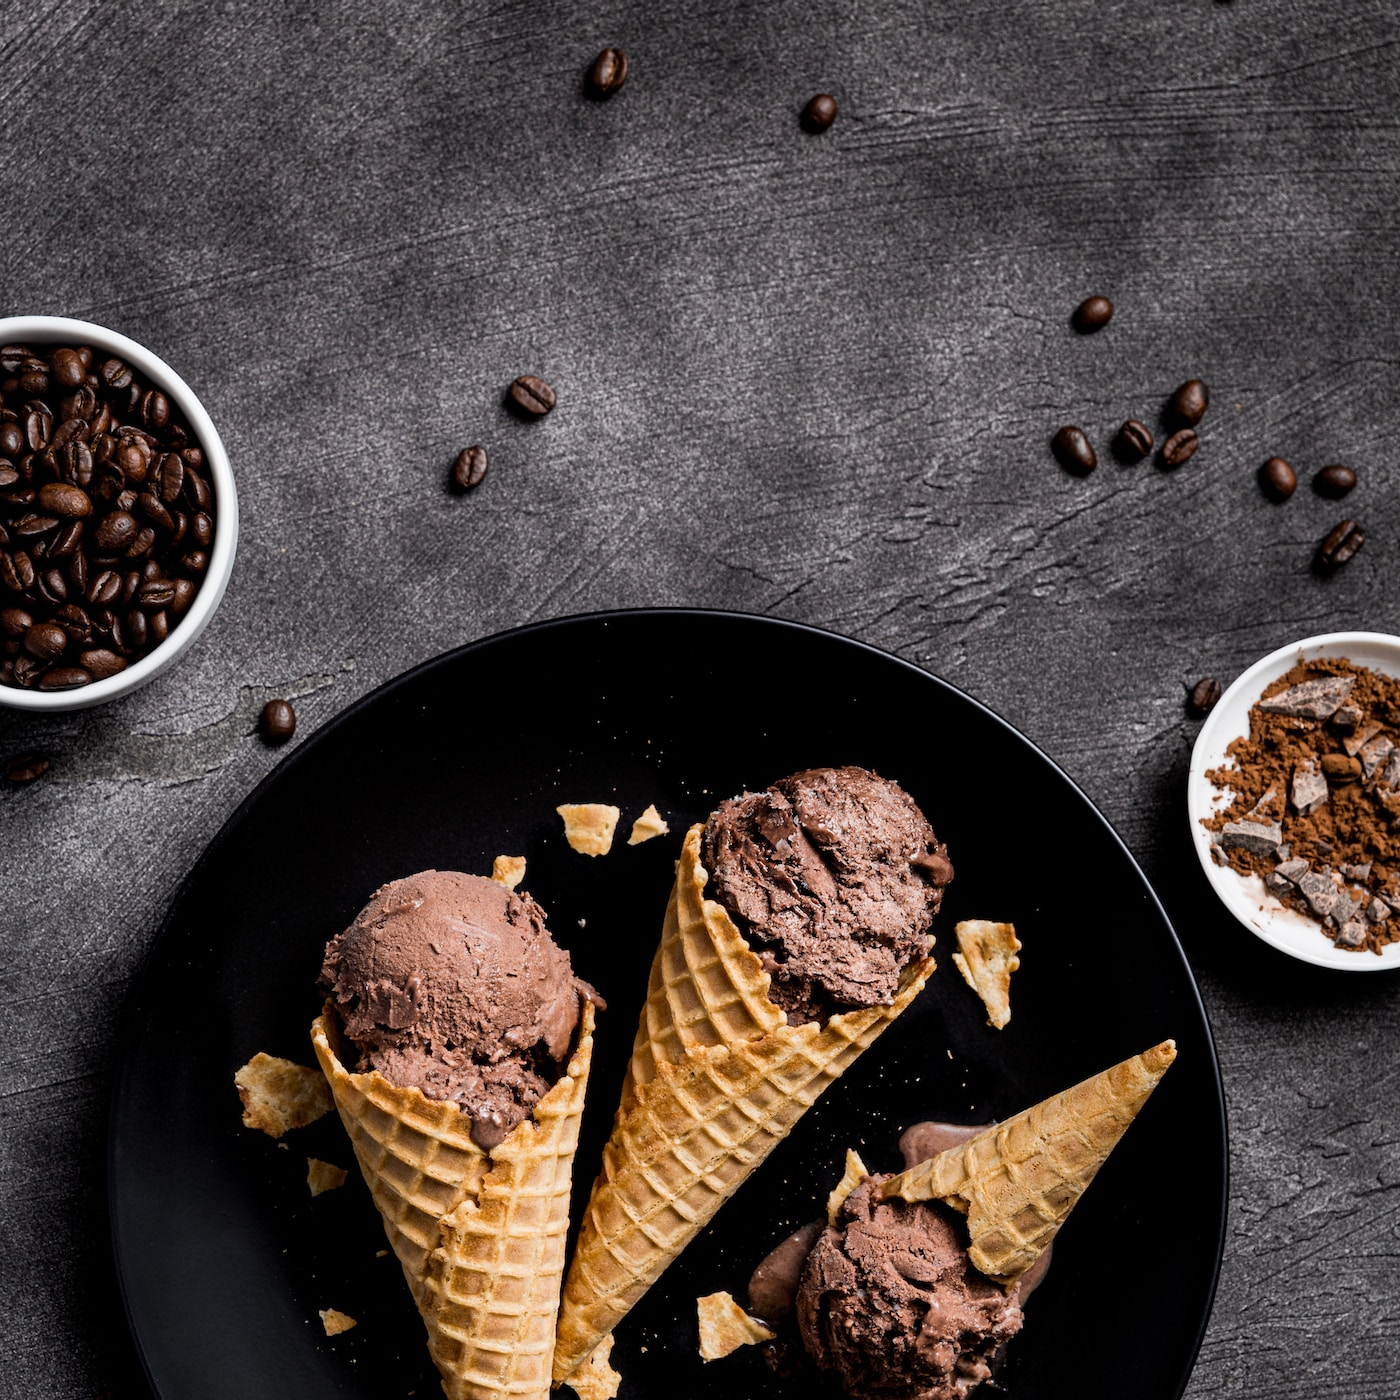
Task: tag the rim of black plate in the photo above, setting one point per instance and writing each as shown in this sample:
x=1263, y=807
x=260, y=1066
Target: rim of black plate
x=135, y=996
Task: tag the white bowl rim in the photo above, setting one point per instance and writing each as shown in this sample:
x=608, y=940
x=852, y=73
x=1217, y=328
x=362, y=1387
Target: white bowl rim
x=1257, y=909
x=42, y=330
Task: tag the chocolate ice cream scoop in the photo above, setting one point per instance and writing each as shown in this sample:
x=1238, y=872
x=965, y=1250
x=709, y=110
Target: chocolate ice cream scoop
x=452, y=983
x=833, y=876
x=890, y=1306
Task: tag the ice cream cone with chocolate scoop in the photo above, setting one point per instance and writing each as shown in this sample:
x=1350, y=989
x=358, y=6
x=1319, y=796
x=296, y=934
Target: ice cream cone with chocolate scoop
x=478, y=1229
x=717, y=1078
x=1018, y=1180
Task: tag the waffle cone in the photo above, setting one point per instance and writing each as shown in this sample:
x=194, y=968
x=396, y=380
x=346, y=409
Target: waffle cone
x=1017, y=1181
x=480, y=1235
x=717, y=1079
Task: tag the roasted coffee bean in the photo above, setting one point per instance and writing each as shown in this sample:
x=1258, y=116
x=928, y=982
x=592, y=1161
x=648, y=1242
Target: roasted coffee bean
x=11, y=439
x=14, y=622
x=37, y=426
x=1073, y=451
x=133, y=459
x=66, y=540
x=115, y=532
x=77, y=572
x=532, y=395
x=76, y=466
x=155, y=409
x=1180, y=447
x=82, y=405
x=32, y=523
x=278, y=721
x=469, y=468
x=609, y=72
x=158, y=627
x=153, y=508
x=170, y=477
x=181, y=525
x=68, y=502
x=131, y=581
x=1334, y=481
x=197, y=491
x=184, y=596
x=155, y=594
x=151, y=569
x=126, y=500
x=64, y=678
x=35, y=381
x=143, y=544
x=45, y=641
x=26, y=767
x=76, y=624
x=1340, y=768
x=18, y=497
x=69, y=430
x=54, y=586
x=106, y=588
x=114, y=374
x=1093, y=314
x=28, y=671
x=1204, y=695
x=1341, y=544
x=1188, y=405
x=1278, y=478
x=202, y=530
x=1134, y=440
x=195, y=562
x=100, y=663
x=134, y=626
x=16, y=570
x=8, y=475
x=194, y=457
x=66, y=366
x=820, y=112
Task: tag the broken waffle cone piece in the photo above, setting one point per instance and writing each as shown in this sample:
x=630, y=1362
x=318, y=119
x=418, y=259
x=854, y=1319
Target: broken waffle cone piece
x=480, y=1235
x=717, y=1079
x=1017, y=1181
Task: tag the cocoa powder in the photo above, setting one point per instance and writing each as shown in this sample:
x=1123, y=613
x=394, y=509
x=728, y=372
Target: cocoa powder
x=1316, y=800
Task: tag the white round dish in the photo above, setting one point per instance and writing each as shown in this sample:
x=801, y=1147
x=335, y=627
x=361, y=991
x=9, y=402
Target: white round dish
x=1247, y=898
x=57, y=330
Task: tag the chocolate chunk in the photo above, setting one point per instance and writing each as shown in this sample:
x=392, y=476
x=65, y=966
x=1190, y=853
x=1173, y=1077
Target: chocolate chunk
x=1352, y=934
x=1378, y=911
x=1391, y=776
x=1319, y=699
x=1357, y=872
x=1293, y=870
x=1277, y=884
x=1347, y=718
x=1352, y=744
x=1344, y=909
x=1256, y=837
x=1320, y=893
x=1373, y=754
x=1309, y=788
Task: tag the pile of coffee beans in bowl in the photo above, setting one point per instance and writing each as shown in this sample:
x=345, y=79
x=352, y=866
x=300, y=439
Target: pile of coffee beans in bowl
x=107, y=516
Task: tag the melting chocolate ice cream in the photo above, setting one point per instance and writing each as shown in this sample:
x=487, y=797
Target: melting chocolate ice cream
x=452, y=983
x=833, y=876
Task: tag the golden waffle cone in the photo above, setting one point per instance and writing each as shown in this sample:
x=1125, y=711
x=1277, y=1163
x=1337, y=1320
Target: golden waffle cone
x=717, y=1079
x=1017, y=1181
x=480, y=1235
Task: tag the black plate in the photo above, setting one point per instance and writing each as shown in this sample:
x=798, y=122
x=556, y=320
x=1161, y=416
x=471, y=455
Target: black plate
x=225, y=1259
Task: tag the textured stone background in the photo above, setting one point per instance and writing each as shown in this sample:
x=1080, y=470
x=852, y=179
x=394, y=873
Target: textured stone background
x=812, y=377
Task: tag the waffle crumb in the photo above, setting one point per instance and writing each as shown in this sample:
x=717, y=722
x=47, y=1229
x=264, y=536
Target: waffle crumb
x=856, y=1172
x=508, y=870
x=323, y=1176
x=650, y=823
x=279, y=1095
x=596, y=1379
x=725, y=1327
x=589, y=826
x=336, y=1322
x=986, y=957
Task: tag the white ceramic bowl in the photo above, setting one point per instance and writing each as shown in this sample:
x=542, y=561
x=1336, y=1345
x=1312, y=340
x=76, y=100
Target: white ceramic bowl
x=58, y=330
x=1247, y=898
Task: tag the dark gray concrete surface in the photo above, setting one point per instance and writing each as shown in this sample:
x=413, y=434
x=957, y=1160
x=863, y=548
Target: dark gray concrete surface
x=811, y=377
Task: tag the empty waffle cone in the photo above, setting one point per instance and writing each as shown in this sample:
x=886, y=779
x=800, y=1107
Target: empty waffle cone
x=717, y=1079
x=480, y=1235
x=1017, y=1181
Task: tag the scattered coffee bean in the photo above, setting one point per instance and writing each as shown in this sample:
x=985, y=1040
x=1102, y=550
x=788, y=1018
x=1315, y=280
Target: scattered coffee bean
x=1188, y=405
x=25, y=767
x=1073, y=451
x=1340, y=768
x=1334, y=481
x=1180, y=447
x=1341, y=544
x=470, y=468
x=106, y=525
x=609, y=72
x=532, y=395
x=1134, y=440
x=278, y=721
x=1205, y=694
x=1092, y=314
x=1278, y=478
x=820, y=112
